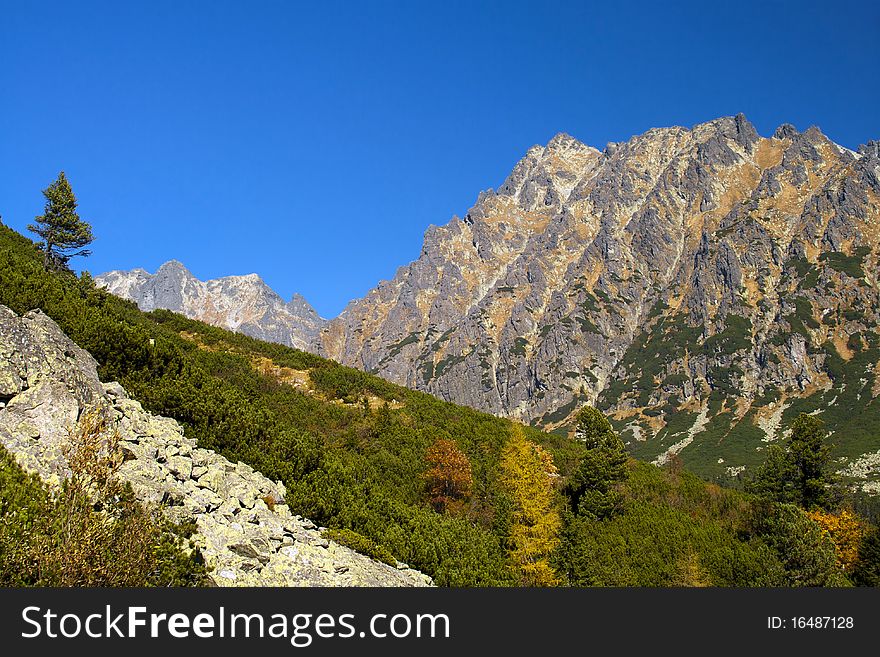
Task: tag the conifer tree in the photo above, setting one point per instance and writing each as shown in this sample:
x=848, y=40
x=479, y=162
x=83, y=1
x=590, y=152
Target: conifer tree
x=867, y=568
x=592, y=488
x=812, y=459
x=801, y=472
x=60, y=227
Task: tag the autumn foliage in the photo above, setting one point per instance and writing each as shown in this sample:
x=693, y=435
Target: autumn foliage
x=90, y=530
x=846, y=530
x=449, y=479
x=528, y=475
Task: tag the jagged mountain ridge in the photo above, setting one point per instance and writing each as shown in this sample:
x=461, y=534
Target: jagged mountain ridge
x=682, y=281
x=701, y=285
x=239, y=303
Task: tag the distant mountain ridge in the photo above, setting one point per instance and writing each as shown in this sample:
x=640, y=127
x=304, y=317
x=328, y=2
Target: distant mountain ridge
x=701, y=285
x=239, y=303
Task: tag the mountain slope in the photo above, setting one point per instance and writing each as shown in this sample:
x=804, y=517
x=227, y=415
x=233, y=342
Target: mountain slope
x=353, y=452
x=240, y=303
x=702, y=285
x=48, y=383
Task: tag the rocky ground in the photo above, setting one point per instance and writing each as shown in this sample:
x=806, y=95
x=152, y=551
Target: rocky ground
x=245, y=531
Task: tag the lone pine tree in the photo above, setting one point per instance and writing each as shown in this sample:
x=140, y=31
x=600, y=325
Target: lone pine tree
x=60, y=227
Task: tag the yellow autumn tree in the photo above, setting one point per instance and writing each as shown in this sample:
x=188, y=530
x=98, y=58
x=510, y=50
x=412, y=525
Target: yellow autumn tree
x=846, y=530
x=689, y=572
x=528, y=475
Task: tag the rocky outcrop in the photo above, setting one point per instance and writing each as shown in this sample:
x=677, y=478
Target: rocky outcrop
x=245, y=531
x=239, y=303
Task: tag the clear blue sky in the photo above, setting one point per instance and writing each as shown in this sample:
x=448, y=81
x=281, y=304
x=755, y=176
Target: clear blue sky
x=314, y=142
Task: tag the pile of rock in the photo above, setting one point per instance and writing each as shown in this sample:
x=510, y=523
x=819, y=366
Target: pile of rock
x=245, y=531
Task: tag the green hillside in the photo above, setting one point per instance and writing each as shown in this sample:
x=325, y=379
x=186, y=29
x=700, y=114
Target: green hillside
x=357, y=453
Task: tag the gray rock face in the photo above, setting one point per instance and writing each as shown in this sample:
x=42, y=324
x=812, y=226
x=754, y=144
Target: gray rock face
x=239, y=303
x=245, y=531
x=682, y=256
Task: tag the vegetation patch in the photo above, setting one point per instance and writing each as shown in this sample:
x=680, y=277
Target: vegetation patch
x=362, y=544
x=397, y=347
x=587, y=326
x=736, y=336
x=519, y=347
x=446, y=363
x=851, y=265
x=438, y=343
x=55, y=537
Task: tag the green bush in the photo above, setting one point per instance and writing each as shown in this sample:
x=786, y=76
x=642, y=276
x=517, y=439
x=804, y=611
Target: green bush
x=361, y=544
x=56, y=538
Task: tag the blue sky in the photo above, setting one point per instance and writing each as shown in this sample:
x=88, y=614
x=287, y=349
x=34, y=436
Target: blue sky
x=313, y=143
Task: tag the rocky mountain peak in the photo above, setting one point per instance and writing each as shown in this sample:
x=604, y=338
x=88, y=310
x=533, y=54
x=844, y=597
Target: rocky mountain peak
x=785, y=131
x=563, y=142
x=240, y=303
x=739, y=129
x=653, y=278
x=298, y=305
x=250, y=286
x=173, y=267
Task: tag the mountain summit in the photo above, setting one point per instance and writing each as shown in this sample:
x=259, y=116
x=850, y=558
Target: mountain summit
x=700, y=285
x=240, y=303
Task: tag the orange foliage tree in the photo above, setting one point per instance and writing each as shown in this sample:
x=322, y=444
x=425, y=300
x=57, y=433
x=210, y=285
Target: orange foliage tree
x=449, y=478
